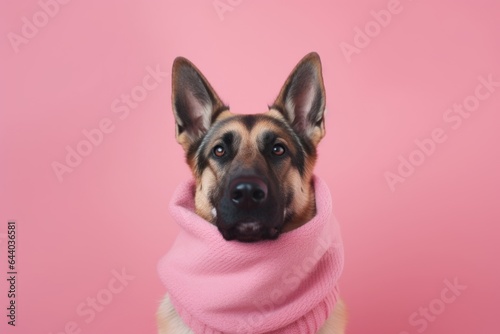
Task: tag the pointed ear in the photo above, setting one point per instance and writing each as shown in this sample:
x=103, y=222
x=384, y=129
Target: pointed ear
x=302, y=99
x=194, y=102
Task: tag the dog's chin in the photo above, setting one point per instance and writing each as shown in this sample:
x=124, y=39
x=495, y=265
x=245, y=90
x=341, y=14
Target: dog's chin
x=250, y=232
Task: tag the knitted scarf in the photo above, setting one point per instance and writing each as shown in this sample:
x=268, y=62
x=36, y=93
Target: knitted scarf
x=283, y=286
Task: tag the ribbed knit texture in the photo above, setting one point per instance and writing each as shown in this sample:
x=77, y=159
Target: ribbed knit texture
x=283, y=286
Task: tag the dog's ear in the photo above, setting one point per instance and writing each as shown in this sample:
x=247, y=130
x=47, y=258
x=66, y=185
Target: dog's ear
x=194, y=102
x=302, y=99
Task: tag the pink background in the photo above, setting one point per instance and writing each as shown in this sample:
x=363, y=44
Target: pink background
x=110, y=211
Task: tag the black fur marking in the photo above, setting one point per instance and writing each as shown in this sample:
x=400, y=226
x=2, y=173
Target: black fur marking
x=249, y=121
x=289, y=197
x=297, y=158
x=268, y=138
x=288, y=201
x=217, y=112
x=201, y=159
x=200, y=148
x=302, y=144
x=306, y=143
x=193, y=148
x=277, y=107
x=230, y=141
x=228, y=138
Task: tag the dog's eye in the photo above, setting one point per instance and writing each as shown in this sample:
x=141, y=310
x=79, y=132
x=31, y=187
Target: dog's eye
x=219, y=151
x=278, y=149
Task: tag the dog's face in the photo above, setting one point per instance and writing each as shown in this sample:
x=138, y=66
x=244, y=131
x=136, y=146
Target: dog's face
x=253, y=172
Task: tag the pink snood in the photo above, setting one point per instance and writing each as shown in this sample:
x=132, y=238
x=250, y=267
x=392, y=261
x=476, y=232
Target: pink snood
x=283, y=286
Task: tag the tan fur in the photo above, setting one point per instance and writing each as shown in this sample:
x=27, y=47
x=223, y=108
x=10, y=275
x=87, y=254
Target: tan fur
x=203, y=186
x=303, y=203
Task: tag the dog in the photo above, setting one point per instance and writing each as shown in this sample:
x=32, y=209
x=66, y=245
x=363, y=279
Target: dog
x=254, y=172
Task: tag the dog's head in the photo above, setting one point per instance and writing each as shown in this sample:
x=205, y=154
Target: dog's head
x=253, y=172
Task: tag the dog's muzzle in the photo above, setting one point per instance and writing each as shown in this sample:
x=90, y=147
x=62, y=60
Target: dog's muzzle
x=248, y=197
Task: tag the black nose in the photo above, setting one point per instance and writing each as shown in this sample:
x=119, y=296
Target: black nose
x=248, y=192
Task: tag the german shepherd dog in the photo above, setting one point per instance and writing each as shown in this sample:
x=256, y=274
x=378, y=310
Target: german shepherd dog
x=256, y=165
